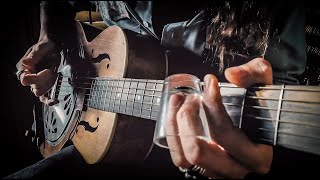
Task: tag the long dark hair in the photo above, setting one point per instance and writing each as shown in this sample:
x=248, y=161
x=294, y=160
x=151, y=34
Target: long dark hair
x=237, y=29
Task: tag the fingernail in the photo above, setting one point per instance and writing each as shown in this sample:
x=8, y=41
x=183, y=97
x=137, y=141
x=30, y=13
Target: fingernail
x=176, y=100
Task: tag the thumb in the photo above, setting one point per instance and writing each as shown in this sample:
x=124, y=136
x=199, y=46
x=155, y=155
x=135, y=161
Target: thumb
x=28, y=78
x=255, y=71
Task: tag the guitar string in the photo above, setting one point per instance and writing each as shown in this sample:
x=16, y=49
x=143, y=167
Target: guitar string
x=134, y=94
x=221, y=84
x=154, y=118
x=158, y=96
x=279, y=131
x=108, y=100
x=108, y=87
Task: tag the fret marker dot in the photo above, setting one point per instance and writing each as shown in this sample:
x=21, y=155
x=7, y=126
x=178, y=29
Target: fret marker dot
x=118, y=95
x=158, y=100
x=138, y=97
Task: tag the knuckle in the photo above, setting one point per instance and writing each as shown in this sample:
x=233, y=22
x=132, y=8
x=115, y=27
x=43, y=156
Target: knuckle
x=179, y=161
x=193, y=152
x=24, y=81
x=188, y=111
x=263, y=65
x=262, y=169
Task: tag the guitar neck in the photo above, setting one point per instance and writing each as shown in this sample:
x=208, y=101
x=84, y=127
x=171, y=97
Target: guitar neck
x=283, y=115
x=135, y=97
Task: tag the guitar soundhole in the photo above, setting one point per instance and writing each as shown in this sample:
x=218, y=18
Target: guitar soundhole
x=97, y=119
x=108, y=66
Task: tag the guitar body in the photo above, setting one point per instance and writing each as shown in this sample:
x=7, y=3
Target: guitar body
x=101, y=135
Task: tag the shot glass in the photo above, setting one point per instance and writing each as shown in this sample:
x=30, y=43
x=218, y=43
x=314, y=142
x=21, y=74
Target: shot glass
x=166, y=130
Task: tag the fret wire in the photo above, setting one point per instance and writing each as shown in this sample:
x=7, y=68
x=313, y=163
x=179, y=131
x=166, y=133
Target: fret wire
x=111, y=97
x=126, y=102
x=152, y=99
x=134, y=97
x=95, y=93
x=115, y=92
x=242, y=109
x=278, y=115
x=105, y=82
x=119, y=94
x=90, y=93
x=137, y=95
x=100, y=92
x=130, y=82
x=109, y=94
x=122, y=93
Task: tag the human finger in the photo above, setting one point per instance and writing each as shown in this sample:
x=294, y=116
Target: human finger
x=190, y=127
x=217, y=163
x=28, y=78
x=47, y=101
x=173, y=140
x=255, y=71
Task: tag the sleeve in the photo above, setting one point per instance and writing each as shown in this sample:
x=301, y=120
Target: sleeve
x=189, y=35
x=57, y=17
x=287, y=52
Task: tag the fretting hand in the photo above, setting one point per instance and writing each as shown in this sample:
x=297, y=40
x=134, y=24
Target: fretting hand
x=232, y=154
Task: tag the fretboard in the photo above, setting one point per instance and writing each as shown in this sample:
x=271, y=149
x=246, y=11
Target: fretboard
x=276, y=114
x=136, y=97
